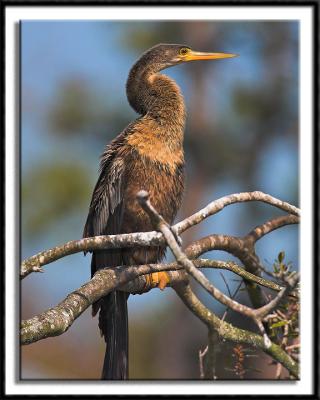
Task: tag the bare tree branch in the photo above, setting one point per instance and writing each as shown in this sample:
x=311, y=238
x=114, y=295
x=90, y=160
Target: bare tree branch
x=34, y=263
x=183, y=260
x=201, y=358
x=228, y=332
x=211, y=356
x=217, y=205
x=259, y=231
x=133, y=279
x=243, y=249
x=263, y=311
x=58, y=319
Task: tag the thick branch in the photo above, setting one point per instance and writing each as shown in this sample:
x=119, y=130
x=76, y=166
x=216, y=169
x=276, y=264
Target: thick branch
x=244, y=251
x=34, y=263
x=259, y=231
x=58, y=319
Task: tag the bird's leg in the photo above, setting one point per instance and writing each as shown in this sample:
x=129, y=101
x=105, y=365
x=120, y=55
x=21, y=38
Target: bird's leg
x=161, y=279
x=157, y=279
x=151, y=255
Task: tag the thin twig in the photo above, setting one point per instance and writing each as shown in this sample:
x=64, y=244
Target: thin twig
x=232, y=296
x=263, y=311
x=201, y=357
x=293, y=346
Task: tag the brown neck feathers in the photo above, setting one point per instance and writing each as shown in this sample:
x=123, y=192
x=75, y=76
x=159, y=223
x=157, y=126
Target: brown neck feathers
x=156, y=95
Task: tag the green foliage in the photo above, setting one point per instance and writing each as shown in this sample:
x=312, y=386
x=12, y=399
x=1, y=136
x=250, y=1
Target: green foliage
x=279, y=267
x=79, y=108
x=53, y=191
x=279, y=324
x=72, y=108
x=141, y=37
x=284, y=322
x=281, y=256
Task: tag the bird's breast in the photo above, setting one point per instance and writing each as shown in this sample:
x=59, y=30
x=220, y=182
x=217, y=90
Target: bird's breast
x=160, y=144
x=162, y=178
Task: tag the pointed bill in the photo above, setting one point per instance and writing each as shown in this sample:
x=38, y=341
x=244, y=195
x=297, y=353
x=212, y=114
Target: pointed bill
x=198, y=55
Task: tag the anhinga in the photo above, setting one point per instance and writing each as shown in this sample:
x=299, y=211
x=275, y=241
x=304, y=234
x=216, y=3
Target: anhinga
x=147, y=155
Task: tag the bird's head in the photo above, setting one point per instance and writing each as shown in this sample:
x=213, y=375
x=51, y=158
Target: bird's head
x=164, y=55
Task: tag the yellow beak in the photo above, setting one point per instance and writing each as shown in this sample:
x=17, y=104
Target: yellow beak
x=197, y=55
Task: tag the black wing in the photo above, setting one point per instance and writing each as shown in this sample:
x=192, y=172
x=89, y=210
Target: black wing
x=105, y=217
x=106, y=207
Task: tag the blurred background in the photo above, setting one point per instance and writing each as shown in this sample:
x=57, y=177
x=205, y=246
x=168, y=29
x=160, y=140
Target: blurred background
x=241, y=135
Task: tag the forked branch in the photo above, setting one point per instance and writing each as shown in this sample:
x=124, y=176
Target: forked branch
x=132, y=279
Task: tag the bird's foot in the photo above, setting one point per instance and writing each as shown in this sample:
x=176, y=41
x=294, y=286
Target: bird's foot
x=158, y=279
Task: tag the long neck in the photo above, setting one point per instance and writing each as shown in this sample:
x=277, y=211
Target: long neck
x=156, y=96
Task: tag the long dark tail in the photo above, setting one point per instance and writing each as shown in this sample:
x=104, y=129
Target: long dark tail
x=113, y=322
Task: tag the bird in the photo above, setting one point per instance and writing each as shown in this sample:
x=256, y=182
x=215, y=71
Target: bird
x=147, y=155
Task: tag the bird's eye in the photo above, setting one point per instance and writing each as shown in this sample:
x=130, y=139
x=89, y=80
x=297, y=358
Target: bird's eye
x=184, y=51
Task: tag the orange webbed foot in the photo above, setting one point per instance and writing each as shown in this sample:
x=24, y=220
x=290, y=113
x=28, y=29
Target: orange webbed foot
x=158, y=279
x=163, y=280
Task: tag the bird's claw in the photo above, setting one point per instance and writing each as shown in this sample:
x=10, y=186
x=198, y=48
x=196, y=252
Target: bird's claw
x=157, y=279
